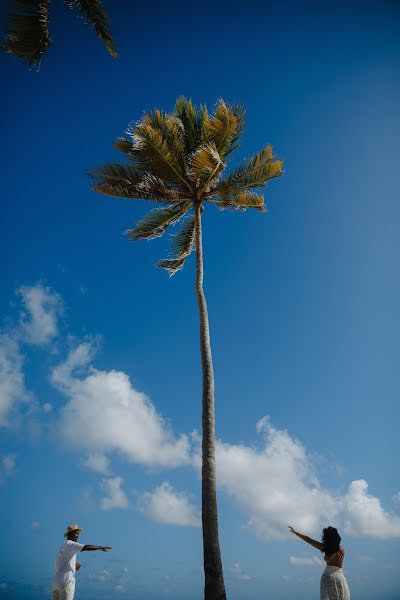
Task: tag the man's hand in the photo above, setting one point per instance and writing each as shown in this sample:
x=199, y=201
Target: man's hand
x=78, y=566
x=291, y=529
x=106, y=548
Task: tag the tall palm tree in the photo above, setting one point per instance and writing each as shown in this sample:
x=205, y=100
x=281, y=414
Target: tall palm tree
x=177, y=160
x=27, y=34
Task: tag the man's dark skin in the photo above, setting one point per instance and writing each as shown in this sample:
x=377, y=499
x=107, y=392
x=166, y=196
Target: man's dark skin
x=74, y=535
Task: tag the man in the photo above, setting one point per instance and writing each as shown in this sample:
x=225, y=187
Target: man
x=63, y=587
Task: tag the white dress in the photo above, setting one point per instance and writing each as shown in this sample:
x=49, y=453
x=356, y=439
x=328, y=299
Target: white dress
x=333, y=583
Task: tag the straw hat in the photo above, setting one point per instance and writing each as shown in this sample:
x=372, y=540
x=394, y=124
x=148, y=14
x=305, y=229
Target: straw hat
x=72, y=528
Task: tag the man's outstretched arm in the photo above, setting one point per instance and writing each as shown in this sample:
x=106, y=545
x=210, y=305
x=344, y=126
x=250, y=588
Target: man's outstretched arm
x=90, y=547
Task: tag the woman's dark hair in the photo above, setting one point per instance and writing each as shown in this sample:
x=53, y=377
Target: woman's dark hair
x=330, y=540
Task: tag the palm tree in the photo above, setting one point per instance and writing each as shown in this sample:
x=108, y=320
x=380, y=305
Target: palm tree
x=177, y=161
x=27, y=35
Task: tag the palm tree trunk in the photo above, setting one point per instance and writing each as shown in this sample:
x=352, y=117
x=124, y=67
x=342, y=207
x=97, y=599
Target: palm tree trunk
x=214, y=578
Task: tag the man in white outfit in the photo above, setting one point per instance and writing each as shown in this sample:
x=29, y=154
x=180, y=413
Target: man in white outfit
x=63, y=587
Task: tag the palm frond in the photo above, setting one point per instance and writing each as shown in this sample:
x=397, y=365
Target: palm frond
x=130, y=181
x=225, y=127
x=154, y=224
x=192, y=121
x=182, y=245
x=204, y=164
x=117, y=180
x=152, y=187
x=93, y=12
x=158, y=145
x=242, y=201
x=27, y=34
x=254, y=172
x=123, y=144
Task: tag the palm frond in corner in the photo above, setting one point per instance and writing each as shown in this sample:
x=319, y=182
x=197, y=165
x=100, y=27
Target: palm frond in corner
x=92, y=12
x=27, y=32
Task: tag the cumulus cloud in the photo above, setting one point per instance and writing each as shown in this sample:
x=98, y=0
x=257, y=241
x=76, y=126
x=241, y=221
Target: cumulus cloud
x=275, y=484
x=305, y=561
x=7, y=466
x=165, y=505
x=115, y=496
x=106, y=413
x=42, y=308
x=396, y=499
x=364, y=514
x=12, y=386
x=238, y=572
x=102, y=576
x=97, y=462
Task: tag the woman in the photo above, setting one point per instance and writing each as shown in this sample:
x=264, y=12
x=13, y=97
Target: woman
x=333, y=583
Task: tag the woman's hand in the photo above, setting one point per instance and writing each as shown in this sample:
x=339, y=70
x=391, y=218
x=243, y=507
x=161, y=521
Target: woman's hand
x=78, y=566
x=291, y=529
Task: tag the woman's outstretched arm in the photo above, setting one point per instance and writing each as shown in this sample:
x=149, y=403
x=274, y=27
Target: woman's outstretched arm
x=307, y=539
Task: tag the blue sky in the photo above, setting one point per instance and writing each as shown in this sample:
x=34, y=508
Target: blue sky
x=100, y=379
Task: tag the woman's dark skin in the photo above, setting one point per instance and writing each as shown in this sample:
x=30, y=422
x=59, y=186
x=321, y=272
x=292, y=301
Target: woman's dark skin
x=336, y=561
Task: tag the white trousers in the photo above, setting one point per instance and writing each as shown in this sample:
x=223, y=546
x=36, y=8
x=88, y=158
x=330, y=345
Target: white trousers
x=66, y=593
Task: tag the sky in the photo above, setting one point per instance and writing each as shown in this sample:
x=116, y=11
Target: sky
x=100, y=379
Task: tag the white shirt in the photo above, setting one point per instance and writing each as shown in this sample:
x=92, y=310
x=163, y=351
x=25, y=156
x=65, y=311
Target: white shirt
x=65, y=565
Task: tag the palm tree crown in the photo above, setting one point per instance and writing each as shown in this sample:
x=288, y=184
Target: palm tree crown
x=177, y=160
x=27, y=34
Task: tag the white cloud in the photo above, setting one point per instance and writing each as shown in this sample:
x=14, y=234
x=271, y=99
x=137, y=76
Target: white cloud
x=8, y=464
x=97, y=462
x=35, y=525
x=43, y=307
x=105, y=413
x=102, y=576
x=305, y=561
x=12, y=386
x=115, y=496
x=47, y=407
x=365, y=558
x=275, y=485
x=364, y=514
x=396, y=499
x=239, y=573
x=165, y=505
x=7, y=467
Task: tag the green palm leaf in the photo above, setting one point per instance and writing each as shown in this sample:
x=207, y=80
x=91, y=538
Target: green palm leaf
x=244, y=200
x=129, y=181
x=156, y=222
x=93, y=12
x=27, y=35
x=158, y=145
x=124, y=145
x=117, y=180
x=254, y=172
x=192, y=122
x=204, y=164
x=182, y=245
x=225, y=127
